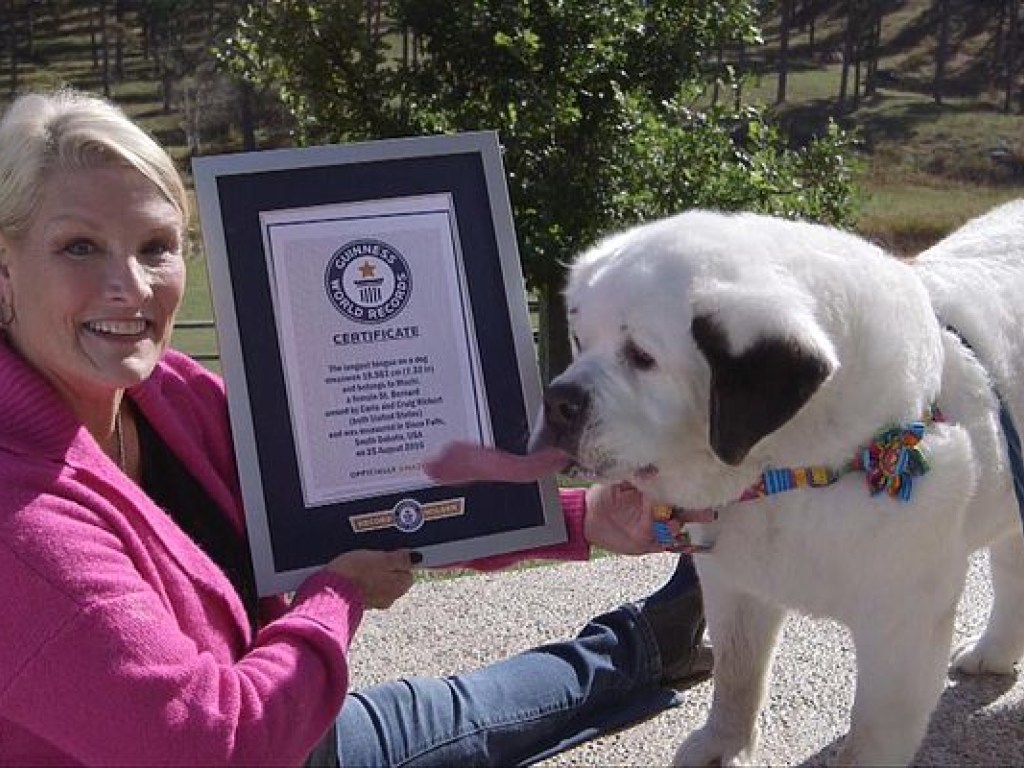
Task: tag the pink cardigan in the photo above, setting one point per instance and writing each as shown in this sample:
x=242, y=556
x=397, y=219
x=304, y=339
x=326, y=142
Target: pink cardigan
x=120, y=641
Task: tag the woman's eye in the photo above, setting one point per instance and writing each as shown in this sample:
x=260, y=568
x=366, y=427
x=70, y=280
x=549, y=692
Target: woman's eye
x=156, y=248
x=80, y=248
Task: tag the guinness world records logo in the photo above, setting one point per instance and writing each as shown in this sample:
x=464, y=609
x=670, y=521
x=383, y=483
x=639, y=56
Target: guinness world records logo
x=408, y=515
x=368, y=281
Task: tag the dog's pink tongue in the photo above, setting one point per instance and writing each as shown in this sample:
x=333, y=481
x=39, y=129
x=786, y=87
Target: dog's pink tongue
x=461, y=462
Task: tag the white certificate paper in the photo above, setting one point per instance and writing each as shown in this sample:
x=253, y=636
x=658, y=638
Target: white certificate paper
x=376, y=334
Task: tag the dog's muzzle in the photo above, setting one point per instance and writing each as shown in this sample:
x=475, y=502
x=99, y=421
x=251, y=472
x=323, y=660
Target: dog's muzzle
x=566, y=410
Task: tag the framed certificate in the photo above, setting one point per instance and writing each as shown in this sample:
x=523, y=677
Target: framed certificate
x=371, y=308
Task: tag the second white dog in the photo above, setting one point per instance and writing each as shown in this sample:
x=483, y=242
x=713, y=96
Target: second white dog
x=713, y=349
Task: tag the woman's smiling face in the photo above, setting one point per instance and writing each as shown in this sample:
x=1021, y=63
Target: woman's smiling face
x=95, y=281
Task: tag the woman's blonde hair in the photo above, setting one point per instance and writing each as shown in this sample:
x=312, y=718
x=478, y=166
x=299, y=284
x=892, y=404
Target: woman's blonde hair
x=42, y=134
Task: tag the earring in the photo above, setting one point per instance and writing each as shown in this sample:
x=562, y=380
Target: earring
x=6, y=314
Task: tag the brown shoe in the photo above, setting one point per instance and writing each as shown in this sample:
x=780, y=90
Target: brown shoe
x=678, y=628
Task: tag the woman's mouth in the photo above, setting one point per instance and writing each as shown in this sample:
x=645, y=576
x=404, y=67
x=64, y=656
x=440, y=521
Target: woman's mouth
x=126, y=328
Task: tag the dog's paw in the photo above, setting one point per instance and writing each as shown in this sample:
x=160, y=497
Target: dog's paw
x=977, y=657
x=705, y=747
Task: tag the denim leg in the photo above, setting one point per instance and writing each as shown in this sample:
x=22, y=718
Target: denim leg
x=683, y=581
x=514, y=711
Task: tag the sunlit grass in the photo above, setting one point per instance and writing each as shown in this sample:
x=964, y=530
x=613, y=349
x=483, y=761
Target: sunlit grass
x=908, y=218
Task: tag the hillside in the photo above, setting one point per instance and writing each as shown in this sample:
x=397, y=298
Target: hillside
x=927, y=167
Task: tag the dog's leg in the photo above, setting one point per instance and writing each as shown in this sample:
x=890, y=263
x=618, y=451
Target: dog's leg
x=1001, y=645
x=901, y=672
x=743, y=632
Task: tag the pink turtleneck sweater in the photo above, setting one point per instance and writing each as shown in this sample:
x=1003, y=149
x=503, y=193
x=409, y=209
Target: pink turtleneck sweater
x=122, y=643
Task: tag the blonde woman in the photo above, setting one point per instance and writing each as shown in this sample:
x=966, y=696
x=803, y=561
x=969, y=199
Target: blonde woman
x=131, y=632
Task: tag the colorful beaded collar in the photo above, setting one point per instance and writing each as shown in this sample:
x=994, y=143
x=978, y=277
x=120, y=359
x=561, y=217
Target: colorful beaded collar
x=890, y=462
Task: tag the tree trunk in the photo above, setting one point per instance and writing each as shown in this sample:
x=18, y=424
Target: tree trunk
x=941, y=48
x=105, y=43
x=553, y=342
x=190, y=118
x=873, y=49
x=119, y=40
x=373, y=18
x=785, y=20
x=856, y=22
x=810, y=31
x=1012, y=35
x=12, y=45
x=166, y=86
x=30, y=30
x=999, y=38
x=247, y=117
x=741, y=67
x=94, y=44
x=719, y=69
x=844, y=79
x=856, y=83
x=147, y=37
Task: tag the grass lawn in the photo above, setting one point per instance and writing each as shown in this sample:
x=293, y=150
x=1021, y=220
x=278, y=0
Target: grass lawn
x=908, y=218
x=197, y=307
x=927, y=168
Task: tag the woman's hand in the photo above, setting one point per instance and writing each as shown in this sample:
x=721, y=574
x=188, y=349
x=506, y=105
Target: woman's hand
x=381, y=577
x=621, y=519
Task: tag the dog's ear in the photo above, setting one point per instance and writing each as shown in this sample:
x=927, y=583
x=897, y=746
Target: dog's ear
x=756, y=391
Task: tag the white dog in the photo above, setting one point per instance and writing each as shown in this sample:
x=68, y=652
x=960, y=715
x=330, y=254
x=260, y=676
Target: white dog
x=713, y=347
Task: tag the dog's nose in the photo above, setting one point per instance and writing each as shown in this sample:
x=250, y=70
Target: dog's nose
x=565, y=408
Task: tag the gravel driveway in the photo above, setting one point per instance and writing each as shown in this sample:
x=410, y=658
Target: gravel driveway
x=451, y=625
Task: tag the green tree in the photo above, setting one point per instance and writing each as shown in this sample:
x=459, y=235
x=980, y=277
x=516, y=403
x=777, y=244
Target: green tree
x=594, y=101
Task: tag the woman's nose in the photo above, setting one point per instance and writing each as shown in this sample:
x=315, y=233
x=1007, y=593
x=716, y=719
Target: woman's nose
x=126, y=278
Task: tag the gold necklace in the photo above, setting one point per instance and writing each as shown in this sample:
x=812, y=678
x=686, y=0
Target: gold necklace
x=119, y=435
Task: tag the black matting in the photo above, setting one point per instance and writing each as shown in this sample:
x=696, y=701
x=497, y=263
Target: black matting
x=302, y=538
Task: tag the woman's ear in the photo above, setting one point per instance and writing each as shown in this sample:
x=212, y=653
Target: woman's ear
x=5, y=251
x=6, y=289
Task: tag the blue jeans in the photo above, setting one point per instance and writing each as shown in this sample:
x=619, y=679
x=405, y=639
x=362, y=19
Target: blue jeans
x=516, y=711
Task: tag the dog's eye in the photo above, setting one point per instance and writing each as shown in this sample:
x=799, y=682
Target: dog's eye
x=636, y=357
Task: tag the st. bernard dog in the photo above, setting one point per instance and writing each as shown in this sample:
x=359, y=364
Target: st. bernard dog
x=841, y=409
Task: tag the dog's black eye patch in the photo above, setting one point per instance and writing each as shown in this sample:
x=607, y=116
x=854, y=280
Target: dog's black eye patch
x=756, y=391
x=637, y=357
